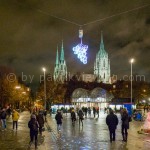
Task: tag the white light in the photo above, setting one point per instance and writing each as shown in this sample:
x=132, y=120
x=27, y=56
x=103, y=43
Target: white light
x=17, y=87
x=132, y=60
x=44, y=69
x=143, y=101
x=81, y=50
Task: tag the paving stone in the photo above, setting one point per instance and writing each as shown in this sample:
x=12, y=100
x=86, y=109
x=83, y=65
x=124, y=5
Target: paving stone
x=93, y=135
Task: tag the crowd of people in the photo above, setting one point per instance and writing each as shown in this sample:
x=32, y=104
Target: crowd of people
x=39, y=117
x=6, y=113
x=111, y=120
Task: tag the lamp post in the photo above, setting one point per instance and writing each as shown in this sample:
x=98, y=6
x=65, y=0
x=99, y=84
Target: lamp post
x=44, y=89
x=131, y=61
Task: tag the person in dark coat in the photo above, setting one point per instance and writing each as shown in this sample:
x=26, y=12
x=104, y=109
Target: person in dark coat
x=33, y=125
x=112, y=122
x=125, y=124
x=85, y=110
x=3, y=116
x=45, y=114
x=94, y=111
x=81, y=114
x=40, y=120
x=73, y=117
x=59, y=118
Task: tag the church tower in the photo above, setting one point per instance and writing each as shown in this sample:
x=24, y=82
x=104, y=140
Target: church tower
x=60, y=70
x=102, y=64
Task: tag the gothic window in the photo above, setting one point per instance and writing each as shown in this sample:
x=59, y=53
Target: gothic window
x=104, y=75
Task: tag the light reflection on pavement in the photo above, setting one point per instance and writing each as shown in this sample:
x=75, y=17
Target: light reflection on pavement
x=92, y=136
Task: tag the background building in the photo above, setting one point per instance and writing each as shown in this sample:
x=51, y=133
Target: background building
x=60, y=70
x=102, y=64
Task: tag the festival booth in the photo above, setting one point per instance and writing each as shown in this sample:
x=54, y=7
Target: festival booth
x=118, y=103
x=64, y=107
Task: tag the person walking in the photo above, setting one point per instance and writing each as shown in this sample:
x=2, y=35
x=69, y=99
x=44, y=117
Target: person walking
x=40, y=120
x=9, y=111
x=112, y=122
x=33, y=125
x=73, y=117
x=85, y=110
x=3, y=116
x=89, y=112
x=50, y=111
x=94, y=111
x=125, y=124
x=97, y=111
x=81, y=114
x=45, y=114
x=15, y=118
x=58, y=118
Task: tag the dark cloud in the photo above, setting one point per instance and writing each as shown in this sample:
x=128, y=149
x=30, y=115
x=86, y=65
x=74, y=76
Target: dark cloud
x=30, y=32
x=147, y=21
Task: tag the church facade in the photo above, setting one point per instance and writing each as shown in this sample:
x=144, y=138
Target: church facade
x=60, y=69
x=102, y=64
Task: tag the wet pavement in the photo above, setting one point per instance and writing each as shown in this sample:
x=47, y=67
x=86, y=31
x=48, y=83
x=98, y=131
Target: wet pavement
x=92, y=136
x=19, y=140
x=16, y=140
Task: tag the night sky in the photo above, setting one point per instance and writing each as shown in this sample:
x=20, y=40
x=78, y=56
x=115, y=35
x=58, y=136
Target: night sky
x=29, y=35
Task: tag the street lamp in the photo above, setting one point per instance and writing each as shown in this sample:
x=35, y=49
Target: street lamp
x=131, y=61
x=17, y=87
x=44, y=89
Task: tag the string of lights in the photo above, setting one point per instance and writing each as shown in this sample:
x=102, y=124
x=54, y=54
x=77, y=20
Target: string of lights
x=91, y=22
x=114, y=15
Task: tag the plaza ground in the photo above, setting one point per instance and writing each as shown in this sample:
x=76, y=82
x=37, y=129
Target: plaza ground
x=93, y=135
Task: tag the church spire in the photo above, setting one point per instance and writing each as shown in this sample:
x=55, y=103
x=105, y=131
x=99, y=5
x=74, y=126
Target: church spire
x=101, y=36
x=102, y=43
x=57, y=61
x=62, y=52
x=102, y=64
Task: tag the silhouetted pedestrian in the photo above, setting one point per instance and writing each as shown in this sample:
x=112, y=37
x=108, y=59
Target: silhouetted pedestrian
x=45, y=114
x=59, y=118
x=112, y=122
x=73, y=117
x=89, y=112
x=94, y=111
x=33, y=125
x=3, y=116
x=40, y=120
x=81, y=114
x=125, y=124
x=97, y=111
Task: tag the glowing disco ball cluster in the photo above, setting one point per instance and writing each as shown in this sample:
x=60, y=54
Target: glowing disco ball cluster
x=81, y=51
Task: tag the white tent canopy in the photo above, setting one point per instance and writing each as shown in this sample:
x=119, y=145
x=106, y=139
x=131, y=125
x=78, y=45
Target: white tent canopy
x=96, y=95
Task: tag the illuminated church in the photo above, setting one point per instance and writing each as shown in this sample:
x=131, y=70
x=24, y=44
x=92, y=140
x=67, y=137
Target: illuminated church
x=60, y=70
x=102, y=64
